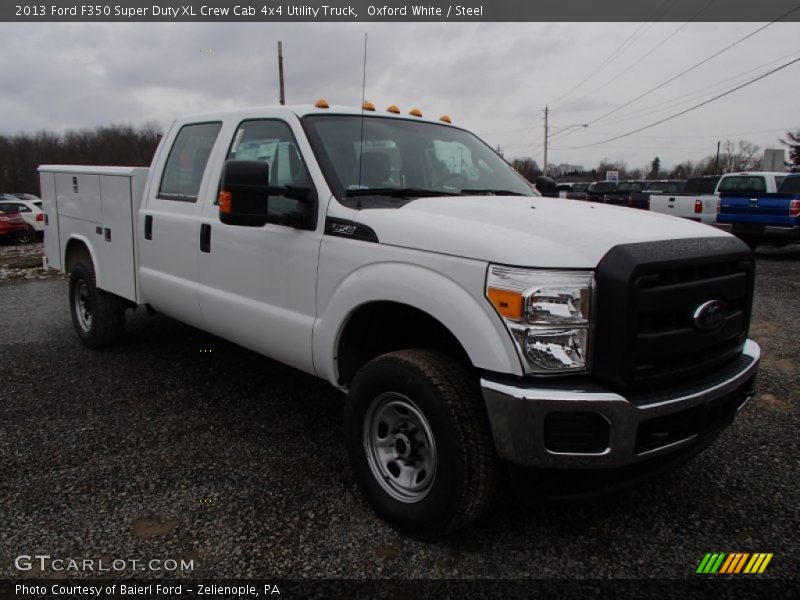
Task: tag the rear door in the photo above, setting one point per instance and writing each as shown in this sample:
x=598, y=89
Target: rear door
x=169, y=231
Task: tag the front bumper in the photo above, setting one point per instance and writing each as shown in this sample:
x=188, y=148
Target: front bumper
x=564, y=427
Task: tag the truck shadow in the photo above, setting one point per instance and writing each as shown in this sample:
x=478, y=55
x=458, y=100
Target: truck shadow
x=770, y=254
x=291, y=425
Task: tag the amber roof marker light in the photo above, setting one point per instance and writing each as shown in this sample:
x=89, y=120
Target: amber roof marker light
x=322, y=103
x=393, y=108
x=446, y=119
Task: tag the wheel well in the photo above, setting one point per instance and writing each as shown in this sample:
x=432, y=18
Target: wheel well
x=380, y=327
x=76, y=250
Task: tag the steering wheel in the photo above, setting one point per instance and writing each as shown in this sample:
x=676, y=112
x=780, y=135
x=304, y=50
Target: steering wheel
x=451, y=178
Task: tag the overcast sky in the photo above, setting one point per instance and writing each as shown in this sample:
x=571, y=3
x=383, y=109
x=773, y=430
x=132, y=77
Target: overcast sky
x=492, y=78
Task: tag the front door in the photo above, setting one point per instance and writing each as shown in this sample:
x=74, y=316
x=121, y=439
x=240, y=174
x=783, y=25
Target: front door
x=258, y=284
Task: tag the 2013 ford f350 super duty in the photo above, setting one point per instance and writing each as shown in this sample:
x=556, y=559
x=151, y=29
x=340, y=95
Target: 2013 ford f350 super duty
x=467, y=318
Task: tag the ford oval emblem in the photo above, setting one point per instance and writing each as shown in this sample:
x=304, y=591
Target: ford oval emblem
x=710, y=315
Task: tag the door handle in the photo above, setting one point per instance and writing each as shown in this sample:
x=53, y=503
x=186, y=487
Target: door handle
x=148, y=227
x=205, y=238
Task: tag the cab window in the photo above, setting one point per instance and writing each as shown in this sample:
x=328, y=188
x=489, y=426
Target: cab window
x=187, y=162
x=272, y=142
x=743, y=183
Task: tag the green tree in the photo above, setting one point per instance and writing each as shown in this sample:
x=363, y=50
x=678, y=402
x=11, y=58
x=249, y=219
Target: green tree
x=655, y=168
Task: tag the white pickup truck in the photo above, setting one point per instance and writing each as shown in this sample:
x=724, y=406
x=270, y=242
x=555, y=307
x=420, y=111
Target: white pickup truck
x=697, y=201
x=401, y=259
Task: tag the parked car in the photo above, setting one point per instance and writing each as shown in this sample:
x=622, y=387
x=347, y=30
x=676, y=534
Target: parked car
x=29, y=197
x=547, y=186
x=563, y=189
x=466, y=318
x=578, y=191
x=761, y=217
x=627, y=193
x=697, y=201
x=13, y=226
x=598, y=190
x=31, y=212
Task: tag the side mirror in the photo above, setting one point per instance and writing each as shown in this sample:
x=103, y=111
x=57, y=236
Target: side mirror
x=244, y=197
x=244, y=193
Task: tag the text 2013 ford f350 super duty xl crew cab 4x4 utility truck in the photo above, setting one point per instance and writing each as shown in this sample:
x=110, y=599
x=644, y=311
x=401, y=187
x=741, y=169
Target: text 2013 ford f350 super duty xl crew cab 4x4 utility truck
x=401, y=259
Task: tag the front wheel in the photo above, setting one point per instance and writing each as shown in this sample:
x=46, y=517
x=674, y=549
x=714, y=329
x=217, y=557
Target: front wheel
x=98, y=316
x=419, y=441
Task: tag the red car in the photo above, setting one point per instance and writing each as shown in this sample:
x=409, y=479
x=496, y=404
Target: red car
x=12, y=226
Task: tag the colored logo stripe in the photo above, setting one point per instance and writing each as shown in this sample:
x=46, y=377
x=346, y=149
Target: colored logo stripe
x=720, y=562
x=711, y=562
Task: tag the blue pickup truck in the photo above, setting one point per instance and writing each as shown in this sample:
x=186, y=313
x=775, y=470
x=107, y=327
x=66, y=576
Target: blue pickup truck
x=761, y=217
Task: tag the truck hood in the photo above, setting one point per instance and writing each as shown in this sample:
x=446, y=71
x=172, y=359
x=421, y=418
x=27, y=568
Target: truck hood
x=523, y=231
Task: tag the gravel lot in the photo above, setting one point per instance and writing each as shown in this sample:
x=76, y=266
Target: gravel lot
x=181, y=445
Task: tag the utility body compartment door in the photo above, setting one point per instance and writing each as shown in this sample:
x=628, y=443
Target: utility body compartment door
x=52, y=245
x=95, y=207
x=115, y=234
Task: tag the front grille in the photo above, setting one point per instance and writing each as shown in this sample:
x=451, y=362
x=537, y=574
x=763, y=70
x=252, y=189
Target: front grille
x=647, y=295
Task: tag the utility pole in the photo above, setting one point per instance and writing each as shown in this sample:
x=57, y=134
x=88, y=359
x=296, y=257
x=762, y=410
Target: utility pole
x=282, y=97
x=544, y=166
x=716, y=161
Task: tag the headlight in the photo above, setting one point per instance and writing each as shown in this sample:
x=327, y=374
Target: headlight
x=548, y=313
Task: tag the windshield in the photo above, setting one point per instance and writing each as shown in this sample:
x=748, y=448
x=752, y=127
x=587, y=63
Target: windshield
x=790, y=185
x=664, y=186
x=603, y=186
x=629, y=186
x=400, y=158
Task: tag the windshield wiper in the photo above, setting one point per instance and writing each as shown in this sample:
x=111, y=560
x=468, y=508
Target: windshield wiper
x=406, y=192
x=489, y=192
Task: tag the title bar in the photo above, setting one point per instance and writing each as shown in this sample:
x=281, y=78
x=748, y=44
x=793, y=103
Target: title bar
x=401, y=11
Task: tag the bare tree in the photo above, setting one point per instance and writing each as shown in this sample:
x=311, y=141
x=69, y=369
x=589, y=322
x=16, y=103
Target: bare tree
x=793, y=141
x=115, y=145
x=739, y=156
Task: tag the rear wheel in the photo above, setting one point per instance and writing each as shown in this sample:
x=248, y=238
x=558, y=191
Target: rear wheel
x=419, y=441
x=98, y=316
x=28, y=236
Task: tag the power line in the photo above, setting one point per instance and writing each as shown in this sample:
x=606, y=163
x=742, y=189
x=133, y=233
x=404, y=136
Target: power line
x=699, y=93
x=622, y=47
x=683, y=137
x=694, y=66
x=643, y=57
x=683, y=112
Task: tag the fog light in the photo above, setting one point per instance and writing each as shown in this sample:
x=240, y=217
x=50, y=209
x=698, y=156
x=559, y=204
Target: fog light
x=576, y=432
